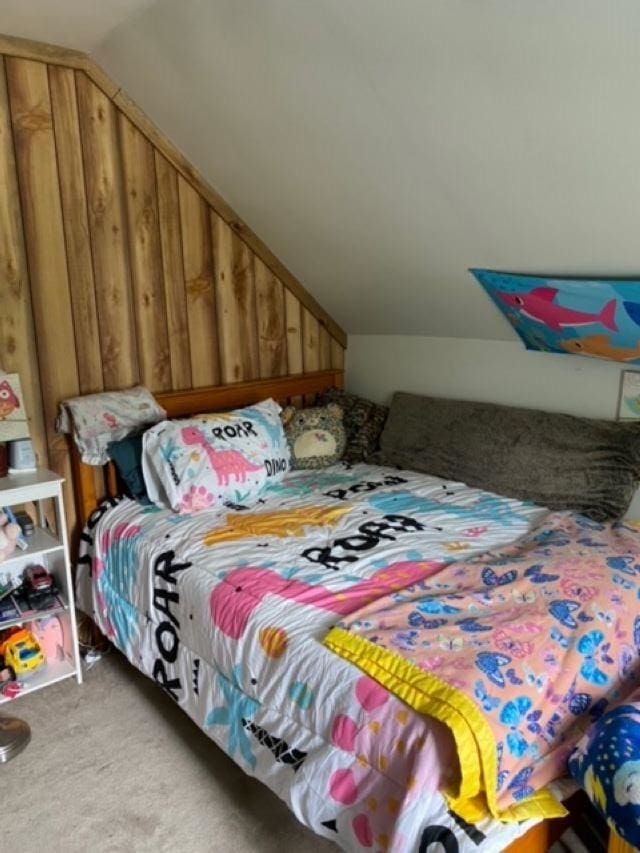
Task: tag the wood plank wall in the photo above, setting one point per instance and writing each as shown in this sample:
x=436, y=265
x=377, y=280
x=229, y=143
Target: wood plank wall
x=118, y=265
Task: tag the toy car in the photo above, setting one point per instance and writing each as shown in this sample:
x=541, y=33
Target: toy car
x=37, y=580
x=38, y=588
x=21, y=653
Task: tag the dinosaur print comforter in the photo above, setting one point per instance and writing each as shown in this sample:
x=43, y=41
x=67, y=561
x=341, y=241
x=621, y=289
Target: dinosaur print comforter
x=227, y=612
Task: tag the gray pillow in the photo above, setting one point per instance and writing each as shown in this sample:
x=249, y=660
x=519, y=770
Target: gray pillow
x=559, y=461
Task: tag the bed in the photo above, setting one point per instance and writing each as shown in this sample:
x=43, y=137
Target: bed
x=227, y=612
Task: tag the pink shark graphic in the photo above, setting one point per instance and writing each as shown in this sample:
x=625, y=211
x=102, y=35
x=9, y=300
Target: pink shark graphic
x=539, y=305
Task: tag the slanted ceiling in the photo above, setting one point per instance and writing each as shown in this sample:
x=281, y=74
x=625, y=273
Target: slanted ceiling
x=381, y=147
x=73, y=23
x=118, y=263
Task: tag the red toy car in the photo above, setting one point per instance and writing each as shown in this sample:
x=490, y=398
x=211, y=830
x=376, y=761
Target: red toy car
x=37, y=580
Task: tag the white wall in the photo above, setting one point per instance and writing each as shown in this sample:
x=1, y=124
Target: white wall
x=493, y=371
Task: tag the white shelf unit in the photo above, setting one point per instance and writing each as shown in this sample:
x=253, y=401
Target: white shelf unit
x=44, y=548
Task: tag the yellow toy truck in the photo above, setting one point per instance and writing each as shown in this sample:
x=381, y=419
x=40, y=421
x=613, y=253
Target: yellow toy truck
x=21, y=653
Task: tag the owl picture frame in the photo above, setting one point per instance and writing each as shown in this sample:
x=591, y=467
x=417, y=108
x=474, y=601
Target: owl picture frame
x=13, y=416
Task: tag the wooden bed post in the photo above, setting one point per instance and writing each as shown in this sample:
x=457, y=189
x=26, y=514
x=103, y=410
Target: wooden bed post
x=84, y=484
x=617, y=845
x=536, y=840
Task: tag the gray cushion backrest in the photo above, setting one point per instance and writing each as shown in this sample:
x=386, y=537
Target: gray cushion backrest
x=559, y=461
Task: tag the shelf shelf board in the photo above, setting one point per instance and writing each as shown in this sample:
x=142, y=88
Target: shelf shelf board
x=40, y=542
x=34, y=616
x=28, y=486
x=49, y=674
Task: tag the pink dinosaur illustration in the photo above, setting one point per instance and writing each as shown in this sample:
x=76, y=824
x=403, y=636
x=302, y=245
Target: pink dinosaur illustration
x=225, y=463
x=234, y=599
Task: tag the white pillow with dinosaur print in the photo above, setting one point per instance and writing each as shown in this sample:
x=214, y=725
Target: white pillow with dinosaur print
x=215, y=460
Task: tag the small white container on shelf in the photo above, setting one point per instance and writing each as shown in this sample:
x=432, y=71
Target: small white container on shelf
x=21, y=456
x=51, y=550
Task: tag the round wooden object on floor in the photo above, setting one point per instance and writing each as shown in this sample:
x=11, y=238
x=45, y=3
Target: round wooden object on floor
x=15, y=734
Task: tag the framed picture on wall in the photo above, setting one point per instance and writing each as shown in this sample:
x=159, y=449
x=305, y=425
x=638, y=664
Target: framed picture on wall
x=629, y=396
x=13, y=418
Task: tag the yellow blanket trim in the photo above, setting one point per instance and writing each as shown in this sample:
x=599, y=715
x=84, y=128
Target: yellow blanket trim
x=427, y=694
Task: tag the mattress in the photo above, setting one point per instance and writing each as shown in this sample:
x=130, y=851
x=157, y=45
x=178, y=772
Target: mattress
x=226, y=611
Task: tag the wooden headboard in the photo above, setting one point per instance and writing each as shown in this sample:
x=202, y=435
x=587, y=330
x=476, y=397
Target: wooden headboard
x=94, y=483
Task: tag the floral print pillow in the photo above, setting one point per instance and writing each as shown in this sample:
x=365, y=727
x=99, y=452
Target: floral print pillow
x=215, y=460
x=96, y=420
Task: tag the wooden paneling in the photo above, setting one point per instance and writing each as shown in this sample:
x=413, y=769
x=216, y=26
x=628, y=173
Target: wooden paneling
x=244, y=298
x=310, y=345
x=173, y=269
x=325, y=349
x=107, y=224
x=272, y=323
x=236, y=301
x=119, y=264
x=17, y=336
x=13, y=46
x=42, y=52
x=146, y=257
x=337, y=355
x=310, y=342
x=293, y=318
x=64, y=107
x=30, y=106
x=198, y=274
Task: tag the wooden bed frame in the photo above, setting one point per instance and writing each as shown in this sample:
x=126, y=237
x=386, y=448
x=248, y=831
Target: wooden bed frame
x=94, y=483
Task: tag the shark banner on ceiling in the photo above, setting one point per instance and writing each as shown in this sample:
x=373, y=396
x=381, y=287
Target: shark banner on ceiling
x=599, y=318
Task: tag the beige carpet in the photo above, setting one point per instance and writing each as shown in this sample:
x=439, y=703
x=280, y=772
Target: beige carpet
x=114, y=765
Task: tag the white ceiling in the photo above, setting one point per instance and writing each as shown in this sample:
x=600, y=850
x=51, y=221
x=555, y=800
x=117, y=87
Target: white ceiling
x=72, y=23
x=381, y=147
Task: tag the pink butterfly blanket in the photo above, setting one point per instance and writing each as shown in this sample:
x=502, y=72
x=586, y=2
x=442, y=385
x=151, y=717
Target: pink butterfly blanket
x=517, y=651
